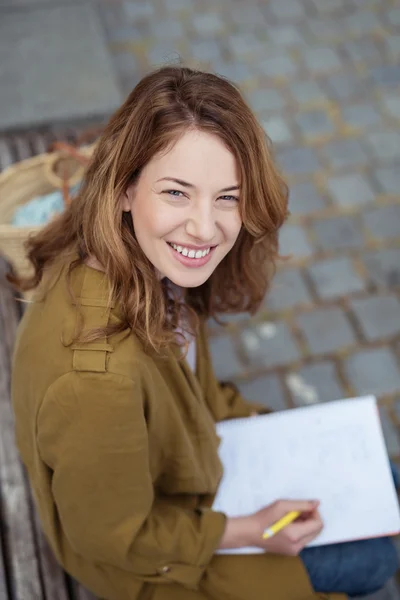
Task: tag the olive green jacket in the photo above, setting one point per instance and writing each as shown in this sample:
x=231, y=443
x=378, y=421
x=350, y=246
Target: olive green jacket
x=122, y=455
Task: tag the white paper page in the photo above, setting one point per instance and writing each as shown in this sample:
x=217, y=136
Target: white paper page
x=333, y=452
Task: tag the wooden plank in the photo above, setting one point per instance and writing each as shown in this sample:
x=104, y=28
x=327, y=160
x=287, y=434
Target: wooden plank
x=3, y=585
x=53, y=576
x=81, y=593
x=18, y=536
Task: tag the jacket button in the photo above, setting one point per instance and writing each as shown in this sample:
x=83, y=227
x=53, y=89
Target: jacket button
x=165, y=569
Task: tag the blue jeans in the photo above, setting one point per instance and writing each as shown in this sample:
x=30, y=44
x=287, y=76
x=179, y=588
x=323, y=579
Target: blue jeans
x=353, y=568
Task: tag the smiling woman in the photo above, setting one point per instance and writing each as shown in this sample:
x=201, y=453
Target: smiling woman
x=185, y=232
x=113, y=389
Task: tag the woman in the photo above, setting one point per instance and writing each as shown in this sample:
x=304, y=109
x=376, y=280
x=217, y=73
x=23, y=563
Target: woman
x=113, y=389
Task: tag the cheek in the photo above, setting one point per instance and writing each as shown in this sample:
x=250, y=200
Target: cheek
x=235, y=225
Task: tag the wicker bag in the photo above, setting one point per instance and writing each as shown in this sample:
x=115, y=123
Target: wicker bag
x=21, y=182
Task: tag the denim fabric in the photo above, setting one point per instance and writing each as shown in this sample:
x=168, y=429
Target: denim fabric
x=353, y=568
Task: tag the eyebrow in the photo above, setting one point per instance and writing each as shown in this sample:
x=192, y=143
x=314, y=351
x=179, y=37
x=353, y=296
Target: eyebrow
x=190, y=185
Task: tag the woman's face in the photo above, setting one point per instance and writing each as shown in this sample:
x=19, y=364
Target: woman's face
x=185, y=208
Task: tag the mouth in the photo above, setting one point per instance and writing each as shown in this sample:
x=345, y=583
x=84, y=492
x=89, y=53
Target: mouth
x=191, y=257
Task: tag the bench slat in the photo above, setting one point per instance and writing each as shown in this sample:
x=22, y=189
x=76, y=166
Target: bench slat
x=3, y=586
x=19, y=539
x=81, y=593
x=53, y=576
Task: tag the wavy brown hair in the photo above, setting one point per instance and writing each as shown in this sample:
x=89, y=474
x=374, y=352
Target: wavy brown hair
x=162, y=107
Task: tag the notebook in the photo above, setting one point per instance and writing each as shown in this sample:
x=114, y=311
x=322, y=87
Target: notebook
x=332, y=452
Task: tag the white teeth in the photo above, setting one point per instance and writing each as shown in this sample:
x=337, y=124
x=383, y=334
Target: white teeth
x=191, y=253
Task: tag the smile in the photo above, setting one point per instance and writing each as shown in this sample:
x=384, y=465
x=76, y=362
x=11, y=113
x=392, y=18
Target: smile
x=189, y=252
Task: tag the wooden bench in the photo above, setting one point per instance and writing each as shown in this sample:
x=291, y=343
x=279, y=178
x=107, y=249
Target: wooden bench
x=28, y=570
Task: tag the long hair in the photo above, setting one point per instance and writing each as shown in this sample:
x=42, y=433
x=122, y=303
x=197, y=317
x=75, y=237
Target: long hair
x=163, y=106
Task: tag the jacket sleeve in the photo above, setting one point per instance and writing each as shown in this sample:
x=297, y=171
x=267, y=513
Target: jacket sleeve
x=92, y=434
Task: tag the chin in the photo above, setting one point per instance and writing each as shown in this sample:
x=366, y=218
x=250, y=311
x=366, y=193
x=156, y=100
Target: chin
x=185, y=280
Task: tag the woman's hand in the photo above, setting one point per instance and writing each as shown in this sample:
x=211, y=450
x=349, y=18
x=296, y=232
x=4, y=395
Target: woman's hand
x=248, y=531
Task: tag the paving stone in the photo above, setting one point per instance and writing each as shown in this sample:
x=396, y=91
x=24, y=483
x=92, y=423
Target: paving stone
x=320, y=59
x=287, y=35
x=326, y=6
x=323, y=28
x=298, y=160
x=269, y=345
x=314, y=123
x=266, y=390
x=224, y=358
x=279, y=66
x=350, y=190
x=361, y=115
x=383, y=222
x=125, y=63
x=314, y=383
x=207, y=23
x=231, y=318
x=168, y=29
x=378, y=316
x=288, y=290
x=304, y=198
x=383, y=266
x=393, y=16
x=373, y=371
x=335, y=277
x=361, y=49
x=392, y=104
x=305, y=92
x=138, y=10
x=390, y=433
x=205, y=50
x=244, y=44
x=388, y=179
x=277, y=130
x=384, y=144
x=293, y=9
x=362, y=22
x=235, y=71
x=247, y=14
x=178, y=5
x=344, y=153
x=392, y=45
x=346, y=85
x=326, y=330
x=47, y=54
x=386, y=75
x=338, y=233
x=293, y=241
x=266, y=100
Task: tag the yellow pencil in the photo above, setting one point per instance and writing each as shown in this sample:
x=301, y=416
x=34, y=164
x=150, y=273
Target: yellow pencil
x=276, y=527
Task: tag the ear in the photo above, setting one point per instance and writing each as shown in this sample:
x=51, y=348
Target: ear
x=126, y=199
x=125, y=202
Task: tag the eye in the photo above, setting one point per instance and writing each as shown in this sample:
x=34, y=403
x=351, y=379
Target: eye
x=175, y=193
x=229, y=198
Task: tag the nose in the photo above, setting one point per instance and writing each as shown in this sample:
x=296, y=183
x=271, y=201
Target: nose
x=201, y=224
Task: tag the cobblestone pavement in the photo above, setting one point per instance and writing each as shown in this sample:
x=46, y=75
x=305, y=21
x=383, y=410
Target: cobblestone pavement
x=324, y=78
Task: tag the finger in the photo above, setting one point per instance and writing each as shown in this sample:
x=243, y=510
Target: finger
x=313, y=514
x=281, y=507
x=304, y=543
x=299, y=530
